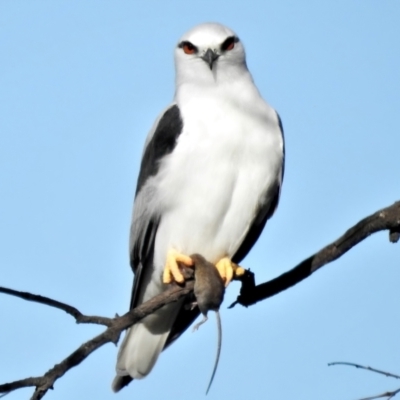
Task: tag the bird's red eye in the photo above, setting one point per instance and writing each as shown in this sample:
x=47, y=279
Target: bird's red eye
x=188, y=48
x=229, y=44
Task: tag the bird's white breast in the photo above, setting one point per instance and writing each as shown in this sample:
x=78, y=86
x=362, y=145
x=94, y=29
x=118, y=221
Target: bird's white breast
x=227, y=159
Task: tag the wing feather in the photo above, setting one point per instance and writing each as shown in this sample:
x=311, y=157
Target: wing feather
x=145, y=219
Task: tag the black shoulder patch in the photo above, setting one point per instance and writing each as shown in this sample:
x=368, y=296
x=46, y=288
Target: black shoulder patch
x=162, y=143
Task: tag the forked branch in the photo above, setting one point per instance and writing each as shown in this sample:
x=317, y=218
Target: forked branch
x=385, y=219
x=388, y=395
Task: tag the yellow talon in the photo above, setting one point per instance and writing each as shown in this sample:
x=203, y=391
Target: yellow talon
x=225, y=269
x=228, y=270
x=239, y=271
x=171, y=269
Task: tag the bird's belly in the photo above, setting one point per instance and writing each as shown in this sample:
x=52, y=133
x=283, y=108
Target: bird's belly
x=211, y=191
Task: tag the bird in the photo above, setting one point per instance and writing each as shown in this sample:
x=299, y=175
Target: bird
x=210, y=177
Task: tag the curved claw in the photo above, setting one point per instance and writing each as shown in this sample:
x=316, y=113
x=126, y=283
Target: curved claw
x=228, y=270
x=171, y=269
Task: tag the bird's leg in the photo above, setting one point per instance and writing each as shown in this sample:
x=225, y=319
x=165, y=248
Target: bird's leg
x=228, y=270
x=171, y=269
x=205, y=318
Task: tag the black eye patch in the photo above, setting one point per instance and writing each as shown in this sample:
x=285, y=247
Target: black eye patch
x=229, y=43
x=188, y=48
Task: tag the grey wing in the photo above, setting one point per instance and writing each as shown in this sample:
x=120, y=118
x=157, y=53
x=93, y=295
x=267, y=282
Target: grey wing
x=265, y=211
x=146, y=217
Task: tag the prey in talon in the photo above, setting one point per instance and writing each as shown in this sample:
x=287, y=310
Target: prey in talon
x=209, y=290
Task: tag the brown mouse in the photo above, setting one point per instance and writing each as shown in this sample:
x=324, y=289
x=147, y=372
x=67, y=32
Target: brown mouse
x=209, y=290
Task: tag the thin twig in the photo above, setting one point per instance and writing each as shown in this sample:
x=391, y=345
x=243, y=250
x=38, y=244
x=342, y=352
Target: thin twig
x=389, y=395
x=368, y=368
x=79, y=317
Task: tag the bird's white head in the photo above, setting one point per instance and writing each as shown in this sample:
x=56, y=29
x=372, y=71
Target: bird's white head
x=209, y=53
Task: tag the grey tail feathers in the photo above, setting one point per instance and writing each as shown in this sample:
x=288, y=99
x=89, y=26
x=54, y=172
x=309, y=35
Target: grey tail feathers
x=120, y=382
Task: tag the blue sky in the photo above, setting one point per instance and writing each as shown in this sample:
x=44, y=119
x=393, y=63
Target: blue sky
x=81, y=84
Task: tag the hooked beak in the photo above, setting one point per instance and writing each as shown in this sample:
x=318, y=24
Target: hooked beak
x=209, y=57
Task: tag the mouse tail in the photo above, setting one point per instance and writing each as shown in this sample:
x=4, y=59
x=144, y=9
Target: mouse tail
x=219, y=327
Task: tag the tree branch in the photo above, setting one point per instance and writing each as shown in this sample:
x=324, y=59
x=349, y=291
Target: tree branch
x=385, y=219
x=378, y=371
x=79, y=317
x=111, y=334
x=388, y=395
